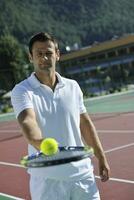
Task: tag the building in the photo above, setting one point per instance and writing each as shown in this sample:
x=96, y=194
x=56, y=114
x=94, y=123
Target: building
x=102, y=66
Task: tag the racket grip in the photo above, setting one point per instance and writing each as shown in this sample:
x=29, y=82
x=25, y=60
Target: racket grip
x=33, y=156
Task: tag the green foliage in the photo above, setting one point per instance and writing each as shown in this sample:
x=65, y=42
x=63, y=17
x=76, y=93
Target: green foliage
x=81, y=22
x=11, y=62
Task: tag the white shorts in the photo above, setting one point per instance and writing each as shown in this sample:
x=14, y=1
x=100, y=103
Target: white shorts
x=51, y=189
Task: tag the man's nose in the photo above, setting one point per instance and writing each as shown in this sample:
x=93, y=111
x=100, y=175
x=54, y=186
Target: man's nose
x=45, y=58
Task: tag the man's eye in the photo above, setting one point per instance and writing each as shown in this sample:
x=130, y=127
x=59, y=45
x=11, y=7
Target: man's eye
x=49, y=54
x=39, y=54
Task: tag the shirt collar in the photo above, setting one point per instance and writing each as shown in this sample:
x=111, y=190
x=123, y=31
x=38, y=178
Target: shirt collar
x=35, y=83
x=61, y=82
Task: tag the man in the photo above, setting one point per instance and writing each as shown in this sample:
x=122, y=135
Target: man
x=49, y=105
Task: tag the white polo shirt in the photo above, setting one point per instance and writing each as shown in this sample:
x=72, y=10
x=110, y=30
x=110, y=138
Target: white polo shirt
x=58, y=116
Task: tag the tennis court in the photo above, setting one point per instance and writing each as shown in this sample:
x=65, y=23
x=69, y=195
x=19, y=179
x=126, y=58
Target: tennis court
x=113, y=117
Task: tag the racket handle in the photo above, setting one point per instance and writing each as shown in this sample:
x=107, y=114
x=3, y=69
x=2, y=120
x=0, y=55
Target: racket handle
x=33, y=156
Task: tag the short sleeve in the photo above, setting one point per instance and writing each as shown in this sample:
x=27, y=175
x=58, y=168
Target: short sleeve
x=20, y=99
x=82, y=107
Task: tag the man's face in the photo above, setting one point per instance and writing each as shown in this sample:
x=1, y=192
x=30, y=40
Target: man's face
x=44, y=56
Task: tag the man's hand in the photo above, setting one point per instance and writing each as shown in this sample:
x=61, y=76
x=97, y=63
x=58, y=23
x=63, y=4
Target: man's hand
x=91, y=138
x=104, y=170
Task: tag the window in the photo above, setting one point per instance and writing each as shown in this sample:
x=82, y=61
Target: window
x=111, y=54
x=101, y=56
x=131, y=49
x=122, y=51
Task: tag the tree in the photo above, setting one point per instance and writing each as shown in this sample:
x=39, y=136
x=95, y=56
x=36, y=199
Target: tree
x=11, y=62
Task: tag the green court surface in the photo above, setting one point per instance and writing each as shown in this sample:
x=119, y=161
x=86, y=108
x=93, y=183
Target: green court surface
x=8, y=197
x=114, y=103
x=5, y=198
x=7, y=117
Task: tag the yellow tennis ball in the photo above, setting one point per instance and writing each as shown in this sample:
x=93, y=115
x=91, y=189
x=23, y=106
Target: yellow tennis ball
x=49, y=146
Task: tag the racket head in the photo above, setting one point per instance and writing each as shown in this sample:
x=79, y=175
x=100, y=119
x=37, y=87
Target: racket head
x=65, y=155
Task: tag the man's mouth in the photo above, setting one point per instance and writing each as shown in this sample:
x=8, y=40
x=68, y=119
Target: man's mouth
x=45, y=66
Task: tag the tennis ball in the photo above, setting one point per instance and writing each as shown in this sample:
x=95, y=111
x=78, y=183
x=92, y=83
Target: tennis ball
x=49, y=146
x=89, y=149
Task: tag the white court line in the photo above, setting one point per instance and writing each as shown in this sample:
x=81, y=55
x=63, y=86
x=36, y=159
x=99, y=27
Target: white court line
x=112, y=114
x=121, y=147
x=10, y=196
x=99, y=131
x=11, y=164
x=118, y=180
x=115, y=131
x=11, y=131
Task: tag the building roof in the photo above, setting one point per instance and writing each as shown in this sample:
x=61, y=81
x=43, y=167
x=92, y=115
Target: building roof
x=98, y=47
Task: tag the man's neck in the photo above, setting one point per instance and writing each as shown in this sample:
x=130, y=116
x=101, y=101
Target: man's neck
x=50, y=80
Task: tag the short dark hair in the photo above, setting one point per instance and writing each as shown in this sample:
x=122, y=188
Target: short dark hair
x=42, y=37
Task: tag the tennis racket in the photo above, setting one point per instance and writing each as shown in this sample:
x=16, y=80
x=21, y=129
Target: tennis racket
x=64, y=155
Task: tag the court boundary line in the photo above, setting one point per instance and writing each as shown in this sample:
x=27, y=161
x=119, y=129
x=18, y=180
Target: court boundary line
x=11, y=131
x=10, y=196
x=115, y=131
x=118, y=180
x=11, y=164
x=99, y=131
x=118, y=148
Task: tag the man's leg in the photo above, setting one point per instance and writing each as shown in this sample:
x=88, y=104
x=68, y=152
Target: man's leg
x=49, y=189
x=85, y=189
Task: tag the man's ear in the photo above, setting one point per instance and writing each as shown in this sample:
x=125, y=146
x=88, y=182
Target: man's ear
x=58, y=55
x=30, y=58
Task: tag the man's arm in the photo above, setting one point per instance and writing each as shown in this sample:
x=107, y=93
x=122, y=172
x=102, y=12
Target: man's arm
x=30, y=128
x=91, y=138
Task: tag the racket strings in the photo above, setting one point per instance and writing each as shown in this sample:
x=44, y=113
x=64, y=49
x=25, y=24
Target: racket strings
x=60, y=155
x=64, y=155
